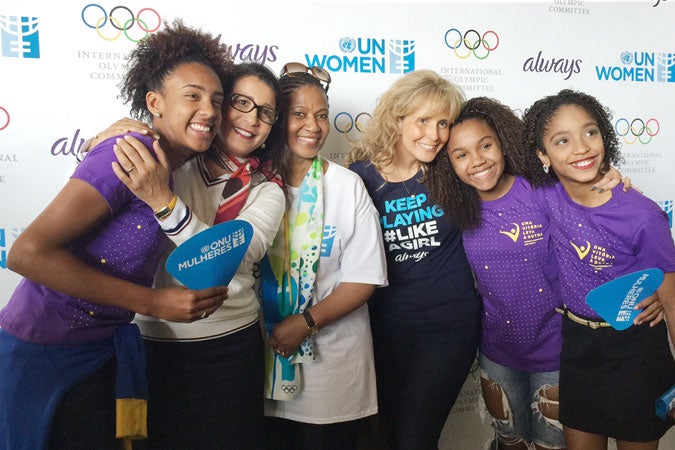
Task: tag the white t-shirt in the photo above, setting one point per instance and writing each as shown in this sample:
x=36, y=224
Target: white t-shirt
x=340, y=384
x=263, y=209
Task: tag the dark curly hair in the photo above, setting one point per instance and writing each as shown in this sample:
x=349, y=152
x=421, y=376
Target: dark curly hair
x=289, y=84
x=276, y=140
x=538, y=116
x=158, y=54
x=459, y=200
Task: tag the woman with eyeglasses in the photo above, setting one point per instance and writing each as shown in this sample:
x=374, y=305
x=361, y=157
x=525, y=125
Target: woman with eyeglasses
x=206, y=378
x=67, y=347
x=326, y=261
x=426, y=323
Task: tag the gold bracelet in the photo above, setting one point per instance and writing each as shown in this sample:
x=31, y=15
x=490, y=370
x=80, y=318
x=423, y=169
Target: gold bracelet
x=168, y=209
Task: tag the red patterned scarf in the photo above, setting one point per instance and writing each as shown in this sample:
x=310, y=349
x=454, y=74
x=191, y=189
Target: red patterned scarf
x=237, y=187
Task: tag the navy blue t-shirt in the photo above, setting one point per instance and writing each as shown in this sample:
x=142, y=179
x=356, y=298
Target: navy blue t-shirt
x=430, y=281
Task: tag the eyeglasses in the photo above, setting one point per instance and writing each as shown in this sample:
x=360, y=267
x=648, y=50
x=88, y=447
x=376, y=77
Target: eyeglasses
x=316, y=72
x=245, y=104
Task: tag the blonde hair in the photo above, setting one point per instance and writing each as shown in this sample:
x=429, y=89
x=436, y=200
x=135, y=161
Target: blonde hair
x=421, y=88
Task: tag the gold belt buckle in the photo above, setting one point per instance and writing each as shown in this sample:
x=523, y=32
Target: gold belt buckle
x=592, y=325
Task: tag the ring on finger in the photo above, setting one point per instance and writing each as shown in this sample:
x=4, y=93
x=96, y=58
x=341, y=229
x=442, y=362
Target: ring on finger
x=129, y=169
x=204, y=315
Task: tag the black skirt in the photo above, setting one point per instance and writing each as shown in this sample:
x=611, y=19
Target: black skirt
x=610, y=380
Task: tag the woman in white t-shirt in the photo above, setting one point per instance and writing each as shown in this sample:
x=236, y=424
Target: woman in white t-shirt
x=326, y=261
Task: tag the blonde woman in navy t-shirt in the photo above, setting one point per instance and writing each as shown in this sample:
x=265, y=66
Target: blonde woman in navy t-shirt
x=425, y=324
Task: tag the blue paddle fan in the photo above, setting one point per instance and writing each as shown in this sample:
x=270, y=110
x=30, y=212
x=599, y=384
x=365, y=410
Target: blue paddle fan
x=614, y=300
x=211, y=258
x=665, y=403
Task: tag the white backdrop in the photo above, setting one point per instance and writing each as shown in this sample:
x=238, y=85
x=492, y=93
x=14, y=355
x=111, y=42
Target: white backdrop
x=59, y=75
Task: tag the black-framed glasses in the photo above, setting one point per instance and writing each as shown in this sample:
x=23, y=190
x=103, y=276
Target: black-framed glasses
x=245, y=104
x=319, y=73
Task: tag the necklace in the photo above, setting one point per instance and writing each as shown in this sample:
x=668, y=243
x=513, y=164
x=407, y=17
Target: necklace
x=397, y=175
x=411, y=194
x=405, y=186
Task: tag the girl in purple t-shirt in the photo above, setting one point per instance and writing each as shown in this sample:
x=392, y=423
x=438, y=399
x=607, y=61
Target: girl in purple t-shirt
x=485, y=185
x=88, y=260
x=609, y=379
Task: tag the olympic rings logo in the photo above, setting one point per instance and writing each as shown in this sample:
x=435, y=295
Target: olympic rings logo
x=480, y=46
x=351, y=127
x=289, y=388
x=121, y=25
x=4, y=112
x=637, y=130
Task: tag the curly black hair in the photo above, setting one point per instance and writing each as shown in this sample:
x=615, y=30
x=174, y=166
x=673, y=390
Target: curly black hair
x=459, y=200
x=158, y=54
x=538, y=116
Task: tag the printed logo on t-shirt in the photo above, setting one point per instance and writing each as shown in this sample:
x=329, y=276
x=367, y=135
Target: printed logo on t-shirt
x=409, y=226
x=512, y=233
x=329, y=232
x=598, y=256
x=531, y=232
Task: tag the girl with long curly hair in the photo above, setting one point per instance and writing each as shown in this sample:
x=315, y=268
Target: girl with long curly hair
x=609, y=379
x=486, y=185
x=66, y=344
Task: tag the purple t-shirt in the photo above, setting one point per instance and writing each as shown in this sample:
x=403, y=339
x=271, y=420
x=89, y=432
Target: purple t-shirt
x=595, y=245
x=514, y=264
x=128, y=245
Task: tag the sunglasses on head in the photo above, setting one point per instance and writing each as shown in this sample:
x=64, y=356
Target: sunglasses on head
x=318, y=73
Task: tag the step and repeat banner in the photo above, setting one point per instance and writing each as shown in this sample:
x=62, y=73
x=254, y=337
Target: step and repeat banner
x=61, y=62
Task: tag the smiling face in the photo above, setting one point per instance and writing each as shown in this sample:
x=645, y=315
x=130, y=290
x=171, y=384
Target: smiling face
x=574, y=146
x=477, y=159
x=189, y=103
x=241, y=132
x=307, y=124
x=422, y=135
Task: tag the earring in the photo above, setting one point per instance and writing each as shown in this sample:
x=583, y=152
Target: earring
x=158, y=114
x=263, y=145
x=545, y=167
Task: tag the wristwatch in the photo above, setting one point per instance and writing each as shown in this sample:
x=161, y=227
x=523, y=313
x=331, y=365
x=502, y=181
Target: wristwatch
x=312, y=327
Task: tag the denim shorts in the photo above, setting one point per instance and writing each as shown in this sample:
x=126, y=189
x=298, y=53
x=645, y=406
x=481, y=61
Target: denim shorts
x=522, y=395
